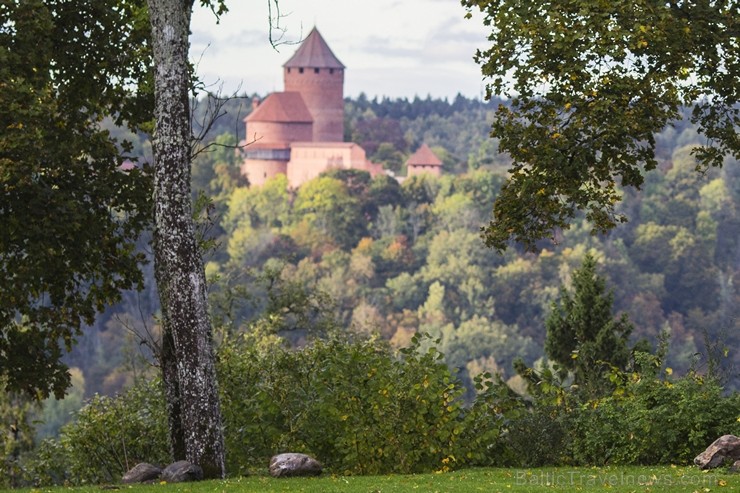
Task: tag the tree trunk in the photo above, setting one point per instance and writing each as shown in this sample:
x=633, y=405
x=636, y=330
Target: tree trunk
x=187, y=353
x=168, y=364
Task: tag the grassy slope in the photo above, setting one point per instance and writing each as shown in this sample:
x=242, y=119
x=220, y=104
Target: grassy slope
x=614, y=480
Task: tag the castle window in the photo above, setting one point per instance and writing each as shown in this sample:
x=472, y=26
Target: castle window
x=331, y=70
x=315, y=71
x=288, y=69
x=300, y=70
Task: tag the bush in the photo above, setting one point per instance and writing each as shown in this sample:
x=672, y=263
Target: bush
x=351, y=403
x=654, y=421
x=649, y=419
x=49, y=464
x=110, y=435
x=507, y=429
x=360, y=408
x=487, y=423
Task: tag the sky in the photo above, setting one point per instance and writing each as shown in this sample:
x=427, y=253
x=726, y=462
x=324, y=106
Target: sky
x=393, y=48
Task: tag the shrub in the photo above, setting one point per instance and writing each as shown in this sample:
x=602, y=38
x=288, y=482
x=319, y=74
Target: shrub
x=487, y=423
x=356, y=405
x=110, y=435
x=47, y=465
x=650, y=418
x=654, y=421
x=361, y=408
x=352, y=403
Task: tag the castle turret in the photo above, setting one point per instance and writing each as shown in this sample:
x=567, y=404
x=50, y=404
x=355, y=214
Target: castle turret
x=316, y=73
x=424, y=161
x=272, y=126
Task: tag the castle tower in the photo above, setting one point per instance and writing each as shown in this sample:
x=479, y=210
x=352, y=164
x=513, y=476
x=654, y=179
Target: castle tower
x=272, y=126
x=423, y=161
x=316, y=73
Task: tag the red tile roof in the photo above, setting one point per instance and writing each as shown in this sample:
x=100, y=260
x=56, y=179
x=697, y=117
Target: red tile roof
x=287, y=107
x=424, y=156
x=314, y=53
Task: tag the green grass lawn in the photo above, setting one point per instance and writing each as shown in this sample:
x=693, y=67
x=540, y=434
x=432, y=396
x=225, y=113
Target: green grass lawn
x=610, y=479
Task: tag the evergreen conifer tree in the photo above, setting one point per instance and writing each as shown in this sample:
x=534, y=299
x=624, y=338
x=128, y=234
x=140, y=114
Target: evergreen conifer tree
x=582, y=335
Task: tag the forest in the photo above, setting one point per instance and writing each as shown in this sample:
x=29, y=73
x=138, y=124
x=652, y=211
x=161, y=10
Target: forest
x=564, y=294
x=401, y=262
x=399, y=258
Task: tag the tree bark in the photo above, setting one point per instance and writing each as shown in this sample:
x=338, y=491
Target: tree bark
x=187, y=351
x=168, y=365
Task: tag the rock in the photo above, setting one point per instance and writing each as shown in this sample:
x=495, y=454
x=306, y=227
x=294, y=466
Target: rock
x=182, y=471
x=141, y=473
x=292, y=464
x=724, y=448
x=735, y=467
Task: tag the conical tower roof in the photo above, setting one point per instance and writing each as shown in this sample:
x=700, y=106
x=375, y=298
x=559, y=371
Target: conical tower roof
x=314, y=53
x=424, y=156
x=285, y=107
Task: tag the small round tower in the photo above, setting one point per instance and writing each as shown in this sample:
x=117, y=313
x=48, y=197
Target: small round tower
x=272, y=126
x=316, y=73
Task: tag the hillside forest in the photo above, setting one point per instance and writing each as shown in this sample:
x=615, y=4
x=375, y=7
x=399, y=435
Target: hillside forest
x=396, y=257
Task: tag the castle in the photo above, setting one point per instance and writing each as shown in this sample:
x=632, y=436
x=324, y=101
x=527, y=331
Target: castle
x=300, y=132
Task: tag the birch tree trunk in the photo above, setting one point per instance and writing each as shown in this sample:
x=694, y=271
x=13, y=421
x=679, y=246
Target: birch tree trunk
x=188, y=366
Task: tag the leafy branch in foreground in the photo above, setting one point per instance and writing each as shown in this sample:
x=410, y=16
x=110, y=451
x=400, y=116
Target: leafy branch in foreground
x=590, y=85
x=69, y=216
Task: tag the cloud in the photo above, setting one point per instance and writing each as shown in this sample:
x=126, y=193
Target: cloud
x=390, y=47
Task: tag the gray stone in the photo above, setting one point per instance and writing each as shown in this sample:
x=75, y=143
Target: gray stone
x=141, y=473
x=182, y=471
x=293, y=464
x=725, y=448
x=735, y=468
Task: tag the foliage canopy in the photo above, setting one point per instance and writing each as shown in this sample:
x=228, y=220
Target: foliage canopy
x=590, y=84
x=69, y=217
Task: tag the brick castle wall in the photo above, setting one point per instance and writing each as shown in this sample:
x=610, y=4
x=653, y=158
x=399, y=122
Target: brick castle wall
x=322, y=90
x=278, y=132
x=258, y=171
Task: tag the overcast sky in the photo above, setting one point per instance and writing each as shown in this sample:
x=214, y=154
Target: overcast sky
x=395, y=48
